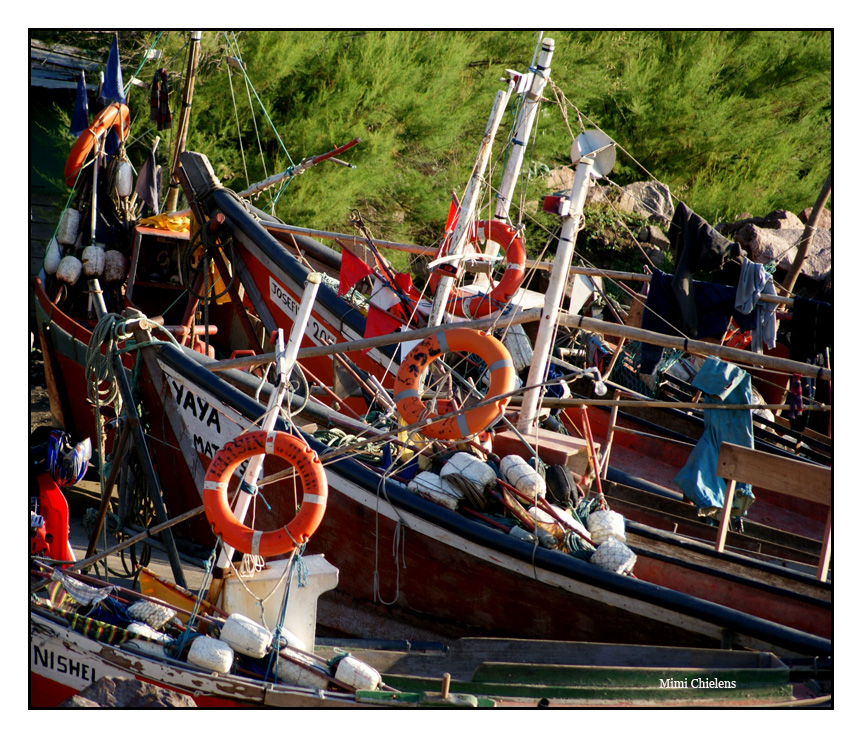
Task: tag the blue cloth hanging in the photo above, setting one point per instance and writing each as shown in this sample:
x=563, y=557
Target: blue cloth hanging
x=725, y=383
x=81, y=113
x=112, y=88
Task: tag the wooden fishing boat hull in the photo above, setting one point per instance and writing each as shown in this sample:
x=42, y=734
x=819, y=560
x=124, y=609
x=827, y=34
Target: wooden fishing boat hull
x=398, y=550
x=64, y=662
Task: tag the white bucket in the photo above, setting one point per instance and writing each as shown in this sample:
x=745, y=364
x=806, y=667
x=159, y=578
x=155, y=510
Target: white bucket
x=211, y=654
x=245, y=636
x=357, y=674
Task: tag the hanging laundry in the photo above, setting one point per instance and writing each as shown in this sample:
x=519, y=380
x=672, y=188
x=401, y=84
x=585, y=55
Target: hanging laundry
x=755, y=282
x=160, y=90
x=697, y=247
x=714, y=305
x=112, y=87
x=811, y=334
x=721, y=382
x=81, y=113
x=149, y=183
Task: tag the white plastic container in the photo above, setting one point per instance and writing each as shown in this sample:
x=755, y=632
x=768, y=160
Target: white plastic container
x=518, y=473
x=245, y=636
x=211, y=654
x=605, y=524
x=293, y=674
x=69, y=269
x=67, y=231
x=53, y=256
x=302, y=602
x=93, y=261
x=357, y=674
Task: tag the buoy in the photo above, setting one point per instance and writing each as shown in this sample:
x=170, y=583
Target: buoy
x=211, y=654
x=246, y=636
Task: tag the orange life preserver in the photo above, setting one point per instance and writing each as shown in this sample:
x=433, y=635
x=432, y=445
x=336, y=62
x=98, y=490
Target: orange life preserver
x=473, y=420
x=115, y=115
x=312, y=478
x=474, y=305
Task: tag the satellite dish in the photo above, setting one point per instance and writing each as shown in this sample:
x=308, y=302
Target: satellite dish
x=590, y=141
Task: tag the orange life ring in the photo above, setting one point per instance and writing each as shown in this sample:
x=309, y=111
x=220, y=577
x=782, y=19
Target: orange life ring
x=473, y=420
x=312, y=478
x=474, y=305
x=115, y=115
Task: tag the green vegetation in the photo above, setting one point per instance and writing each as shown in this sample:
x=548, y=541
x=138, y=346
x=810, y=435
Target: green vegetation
x=732, y=121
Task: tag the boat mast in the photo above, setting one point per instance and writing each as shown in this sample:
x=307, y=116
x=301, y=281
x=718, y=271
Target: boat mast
x=537, y=79
x=573, y=220
x=183, y=122
x=468, y=203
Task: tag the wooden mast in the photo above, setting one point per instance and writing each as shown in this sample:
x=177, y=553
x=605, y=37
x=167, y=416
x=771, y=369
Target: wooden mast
x=183, y=122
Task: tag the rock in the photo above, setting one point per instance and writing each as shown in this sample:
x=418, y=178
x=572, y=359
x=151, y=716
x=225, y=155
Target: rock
x=825, y=220
x=127, y=692
x=560, y=179
x=655, y=255
x=777, y=219
x=653, y=235
x=764, y=244
x=652, y=199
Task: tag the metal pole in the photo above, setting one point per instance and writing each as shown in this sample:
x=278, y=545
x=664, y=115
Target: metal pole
x=557, y=282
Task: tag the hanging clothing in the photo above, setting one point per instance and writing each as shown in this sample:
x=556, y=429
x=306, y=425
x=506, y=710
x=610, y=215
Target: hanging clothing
x=721, y=382
x=697, y=247
x=811, y=334
x=755, y=282
x=160, y=90
x=714, y=306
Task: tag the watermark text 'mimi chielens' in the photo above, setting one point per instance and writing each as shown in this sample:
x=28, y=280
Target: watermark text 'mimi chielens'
x=698, y=683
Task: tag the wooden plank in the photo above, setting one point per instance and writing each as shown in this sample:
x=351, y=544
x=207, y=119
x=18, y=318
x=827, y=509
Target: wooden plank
x=789, y=476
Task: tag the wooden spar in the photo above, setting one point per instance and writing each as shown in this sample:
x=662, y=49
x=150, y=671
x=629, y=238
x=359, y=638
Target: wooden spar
x=432, y=250
x=572, y=221
x=183, y=122
x=811, y=225
x=358, y=344
x=527, y=113
x=294, y=170
x=468, y=203
x=702, y=348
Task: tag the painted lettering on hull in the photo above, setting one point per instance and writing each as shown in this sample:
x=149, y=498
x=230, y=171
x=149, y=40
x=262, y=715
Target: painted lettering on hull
x=74, y=672
x=286, y=303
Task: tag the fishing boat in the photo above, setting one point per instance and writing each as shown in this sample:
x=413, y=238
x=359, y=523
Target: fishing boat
x=403, y=558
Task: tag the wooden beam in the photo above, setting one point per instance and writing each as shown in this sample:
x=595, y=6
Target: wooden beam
x=789, y=476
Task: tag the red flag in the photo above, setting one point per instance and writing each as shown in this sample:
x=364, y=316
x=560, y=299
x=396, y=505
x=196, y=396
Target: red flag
x=352, y=271
x=380, y=323
x=453, y=215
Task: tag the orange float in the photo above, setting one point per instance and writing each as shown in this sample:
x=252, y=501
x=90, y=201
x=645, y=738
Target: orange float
x=313, y=480
x=115, y=116
x=406, y=391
